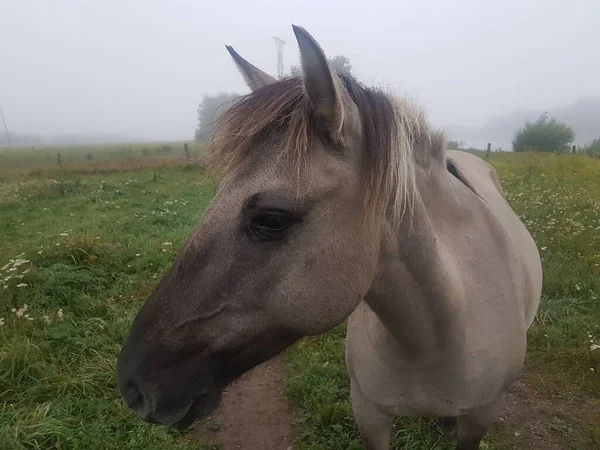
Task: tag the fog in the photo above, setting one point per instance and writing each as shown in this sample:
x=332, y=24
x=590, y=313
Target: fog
x=139, y=69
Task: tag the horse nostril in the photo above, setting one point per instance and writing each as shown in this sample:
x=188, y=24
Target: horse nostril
x=133, y=397
x=139, y=402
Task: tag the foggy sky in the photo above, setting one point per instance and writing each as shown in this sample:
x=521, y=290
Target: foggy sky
x=140, y=68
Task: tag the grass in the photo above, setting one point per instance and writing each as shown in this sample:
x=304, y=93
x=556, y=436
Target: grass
x=44, y=161
x=78, y=255
x=83, y=246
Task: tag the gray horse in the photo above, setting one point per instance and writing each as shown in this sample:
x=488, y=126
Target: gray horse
x=338, y=201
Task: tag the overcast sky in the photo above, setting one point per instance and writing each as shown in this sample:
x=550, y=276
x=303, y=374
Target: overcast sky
x=140, y=68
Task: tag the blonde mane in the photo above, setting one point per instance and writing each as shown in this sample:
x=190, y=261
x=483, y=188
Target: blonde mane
x=396, y=137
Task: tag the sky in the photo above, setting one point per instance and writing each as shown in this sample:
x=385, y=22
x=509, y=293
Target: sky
x=140, y=68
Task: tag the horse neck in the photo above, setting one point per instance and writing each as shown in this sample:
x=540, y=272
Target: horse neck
x=416, y=290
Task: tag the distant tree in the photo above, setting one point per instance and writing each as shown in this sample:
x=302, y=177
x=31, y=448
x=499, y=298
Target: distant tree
x=592, y=148
x=455, y=145
x=544, y=135
x=340, y=64
x=209, y=111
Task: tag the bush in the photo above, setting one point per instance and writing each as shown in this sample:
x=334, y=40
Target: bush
x=593, y=148
x=544, y=135
x=164, y=149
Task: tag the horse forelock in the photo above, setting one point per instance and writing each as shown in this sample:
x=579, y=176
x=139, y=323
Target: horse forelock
x=395, y=136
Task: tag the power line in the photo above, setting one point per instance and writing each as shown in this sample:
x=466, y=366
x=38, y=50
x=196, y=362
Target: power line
x=5, y=127
x=279, y=43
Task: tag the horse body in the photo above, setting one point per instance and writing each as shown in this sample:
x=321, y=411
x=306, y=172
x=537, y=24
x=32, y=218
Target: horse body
x=442, y=331
x=338, y=201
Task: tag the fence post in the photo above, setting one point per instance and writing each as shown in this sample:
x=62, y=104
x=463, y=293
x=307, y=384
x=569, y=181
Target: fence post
x=489, y=149
x=186, y=150
x=59, y=161
x=574, y=149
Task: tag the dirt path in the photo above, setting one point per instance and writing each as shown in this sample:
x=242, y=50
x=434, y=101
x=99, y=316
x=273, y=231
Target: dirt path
x=538, y=421
x=254, y=413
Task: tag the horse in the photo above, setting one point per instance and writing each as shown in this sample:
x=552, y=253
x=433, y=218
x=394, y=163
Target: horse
x=339, y=202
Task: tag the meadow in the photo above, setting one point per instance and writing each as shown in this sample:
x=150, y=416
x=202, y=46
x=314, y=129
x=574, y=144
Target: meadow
x=82, y=246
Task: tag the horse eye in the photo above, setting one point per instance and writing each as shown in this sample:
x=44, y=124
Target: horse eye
x=269, y=225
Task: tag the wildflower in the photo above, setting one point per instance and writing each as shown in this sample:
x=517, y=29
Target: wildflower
x=1, y=321
x=63, y=234
x=138, y=254
x=30, y=318
x=544, y=248
x=21, y=284
x=594, y=347
x=47, y=319
x=20, y=312
x=60, y=314
x=13, y=310
x=577, y=287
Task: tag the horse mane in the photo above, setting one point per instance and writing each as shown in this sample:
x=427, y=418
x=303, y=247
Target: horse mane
x=396, y=136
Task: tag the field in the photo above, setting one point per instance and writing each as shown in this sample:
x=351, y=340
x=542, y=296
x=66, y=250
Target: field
x=82, y=246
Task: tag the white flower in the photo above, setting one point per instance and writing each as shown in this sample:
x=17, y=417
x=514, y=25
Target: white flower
x=544, y=248
x=47, y=319
x=1, y=321
x=138, y=254
x=60, y=314
x=63, y=234
x=21, y=284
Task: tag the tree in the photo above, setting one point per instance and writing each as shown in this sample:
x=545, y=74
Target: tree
x=455, y=145
x=593, y=148
x=544, y=135
x=340, y=64
x=209, y=111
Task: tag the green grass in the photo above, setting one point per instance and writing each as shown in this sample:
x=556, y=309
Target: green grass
x=82, y=250
x=82, y=253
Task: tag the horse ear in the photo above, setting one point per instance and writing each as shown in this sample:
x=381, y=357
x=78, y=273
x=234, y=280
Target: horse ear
x=255, y=78
x=323, y=86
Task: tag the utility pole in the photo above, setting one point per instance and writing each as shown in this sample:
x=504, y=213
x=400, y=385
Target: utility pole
x=5, y=127
x=279, y=43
